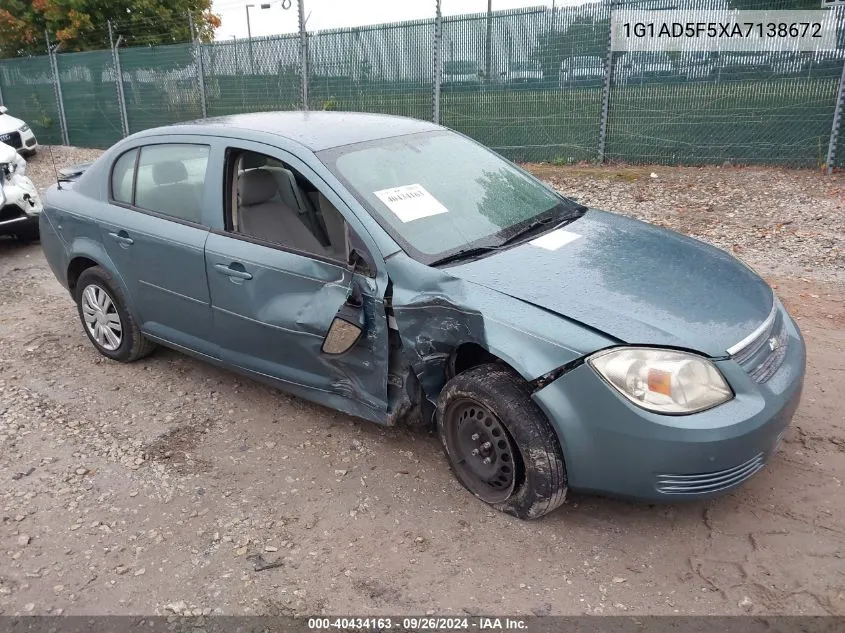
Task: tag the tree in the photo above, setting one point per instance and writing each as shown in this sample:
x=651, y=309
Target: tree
x=81, y=25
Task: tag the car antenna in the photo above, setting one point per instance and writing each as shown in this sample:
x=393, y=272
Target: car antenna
x=55, y=170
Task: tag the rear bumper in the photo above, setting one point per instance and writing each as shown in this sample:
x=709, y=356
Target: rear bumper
x=613, y=447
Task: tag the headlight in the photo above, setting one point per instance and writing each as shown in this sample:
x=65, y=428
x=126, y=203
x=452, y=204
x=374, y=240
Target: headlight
x=24, y=128
x=660, y=380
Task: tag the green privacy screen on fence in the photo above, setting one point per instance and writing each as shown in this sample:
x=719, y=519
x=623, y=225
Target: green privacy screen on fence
x=531, y=83
x=27, y=88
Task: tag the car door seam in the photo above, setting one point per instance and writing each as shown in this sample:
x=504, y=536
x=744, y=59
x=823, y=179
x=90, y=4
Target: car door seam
x=270, y=325
x=172, y=292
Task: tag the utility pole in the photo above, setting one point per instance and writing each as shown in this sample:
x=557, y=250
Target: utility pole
x=489, y=52
x=118, y=80
x=438, y=62
x=249, y=37
x=303, y=54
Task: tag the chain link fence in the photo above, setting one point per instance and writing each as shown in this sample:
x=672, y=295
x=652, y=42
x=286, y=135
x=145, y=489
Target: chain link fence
x=535, y=84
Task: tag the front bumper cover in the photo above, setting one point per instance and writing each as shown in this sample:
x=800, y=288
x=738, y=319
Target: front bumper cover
x=611, y=446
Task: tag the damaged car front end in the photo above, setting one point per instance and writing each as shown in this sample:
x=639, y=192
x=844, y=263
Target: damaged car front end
x=665, y=367
x=20, y=204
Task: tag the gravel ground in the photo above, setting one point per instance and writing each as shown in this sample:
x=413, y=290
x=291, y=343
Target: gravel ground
x=170, y=486
x=788, y=222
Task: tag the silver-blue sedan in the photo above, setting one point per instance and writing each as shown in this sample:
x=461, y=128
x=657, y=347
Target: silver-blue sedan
x=400, y=272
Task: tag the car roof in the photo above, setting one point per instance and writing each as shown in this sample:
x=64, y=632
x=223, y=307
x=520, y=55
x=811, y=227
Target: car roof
x=315, y=130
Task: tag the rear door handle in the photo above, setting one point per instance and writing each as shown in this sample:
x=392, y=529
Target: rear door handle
x=122, y=238
x=232, y=272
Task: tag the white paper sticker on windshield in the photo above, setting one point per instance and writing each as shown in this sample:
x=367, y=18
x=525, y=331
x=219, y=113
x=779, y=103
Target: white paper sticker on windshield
x=410, y=202
x=554, y=240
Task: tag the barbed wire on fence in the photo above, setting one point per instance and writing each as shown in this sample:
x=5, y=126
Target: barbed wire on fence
x=533, y=83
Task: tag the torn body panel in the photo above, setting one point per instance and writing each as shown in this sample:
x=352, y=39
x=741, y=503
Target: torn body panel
x=436, y=314
x=275, y=322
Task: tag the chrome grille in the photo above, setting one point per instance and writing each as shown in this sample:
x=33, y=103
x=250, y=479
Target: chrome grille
x=709, y=482
x=752, y=343
x=762, y=352
x=11, y=138
x=773, y=360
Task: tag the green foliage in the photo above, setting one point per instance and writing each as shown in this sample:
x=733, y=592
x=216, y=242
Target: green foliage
x=81, y=25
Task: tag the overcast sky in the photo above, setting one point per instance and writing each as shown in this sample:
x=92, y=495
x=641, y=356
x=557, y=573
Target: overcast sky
x=328, y=14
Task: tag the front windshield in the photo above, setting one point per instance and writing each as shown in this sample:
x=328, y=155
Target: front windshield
x=438, y=192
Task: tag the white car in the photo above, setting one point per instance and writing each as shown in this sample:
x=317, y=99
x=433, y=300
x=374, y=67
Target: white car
x=462, y=72
x=530, y=71
x=16, y=133
x=20, y=204
x=582, y=70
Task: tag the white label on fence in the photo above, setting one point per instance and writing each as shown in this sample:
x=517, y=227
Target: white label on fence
x=410, y=202
x=686, y=30
x=554, y=240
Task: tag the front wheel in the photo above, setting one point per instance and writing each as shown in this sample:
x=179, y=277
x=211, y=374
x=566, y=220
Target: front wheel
x=499, y=443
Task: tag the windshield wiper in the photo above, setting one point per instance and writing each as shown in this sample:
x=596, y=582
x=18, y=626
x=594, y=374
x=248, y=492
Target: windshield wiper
x=476, y=251
x=464, y=253
x=554, y=220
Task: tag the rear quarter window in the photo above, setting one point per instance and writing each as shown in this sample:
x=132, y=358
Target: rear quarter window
x=122, y=177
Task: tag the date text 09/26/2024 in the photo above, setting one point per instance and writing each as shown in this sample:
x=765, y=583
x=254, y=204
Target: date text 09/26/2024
x=427, y=623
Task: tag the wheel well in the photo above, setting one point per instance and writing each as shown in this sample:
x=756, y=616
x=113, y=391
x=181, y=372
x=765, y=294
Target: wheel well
x=76, y=267
x=469, y=355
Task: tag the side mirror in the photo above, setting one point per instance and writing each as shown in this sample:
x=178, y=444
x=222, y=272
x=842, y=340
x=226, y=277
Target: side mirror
x=3, y=109
x=347, y=326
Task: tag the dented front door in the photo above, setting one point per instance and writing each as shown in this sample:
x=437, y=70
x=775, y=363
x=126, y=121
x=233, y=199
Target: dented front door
x=272, y=309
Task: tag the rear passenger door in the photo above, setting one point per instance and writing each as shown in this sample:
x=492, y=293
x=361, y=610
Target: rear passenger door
x=155, y=233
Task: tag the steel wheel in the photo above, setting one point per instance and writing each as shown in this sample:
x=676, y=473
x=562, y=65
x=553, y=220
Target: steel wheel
x=485, y=456
x=101, y=317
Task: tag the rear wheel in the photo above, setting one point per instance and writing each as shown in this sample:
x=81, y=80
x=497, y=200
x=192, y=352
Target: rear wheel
x=499, y=443
x=105, y=319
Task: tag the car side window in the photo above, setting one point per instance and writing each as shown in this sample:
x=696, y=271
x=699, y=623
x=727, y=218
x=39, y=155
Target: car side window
x=123, y=177
x=274, y=203
x=170, y=180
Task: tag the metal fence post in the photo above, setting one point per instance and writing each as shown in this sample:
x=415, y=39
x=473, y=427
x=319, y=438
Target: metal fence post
x=303, y=54
x=200, y=66
x=837, y=112
x=605, y=97
x=1, y=96
x=57, y=88
x=118, y=80
x=438, y=63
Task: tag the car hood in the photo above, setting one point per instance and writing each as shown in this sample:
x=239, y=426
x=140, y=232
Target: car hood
x=633, y=281
x=9, y=124
x=8, y=154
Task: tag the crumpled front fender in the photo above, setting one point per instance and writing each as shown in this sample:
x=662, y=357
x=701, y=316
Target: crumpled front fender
x=21, y=192
x=436, y=313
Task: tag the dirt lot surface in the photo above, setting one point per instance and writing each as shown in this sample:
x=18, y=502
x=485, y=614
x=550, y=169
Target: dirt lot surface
x=163, y=486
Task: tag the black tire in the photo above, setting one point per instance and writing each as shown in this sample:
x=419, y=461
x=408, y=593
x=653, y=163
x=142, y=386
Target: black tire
x=28, y=233
x=489, y=398
x=133, y=344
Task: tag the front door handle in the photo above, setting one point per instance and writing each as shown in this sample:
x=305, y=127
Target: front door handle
x=122, y=238
x=232, y=272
